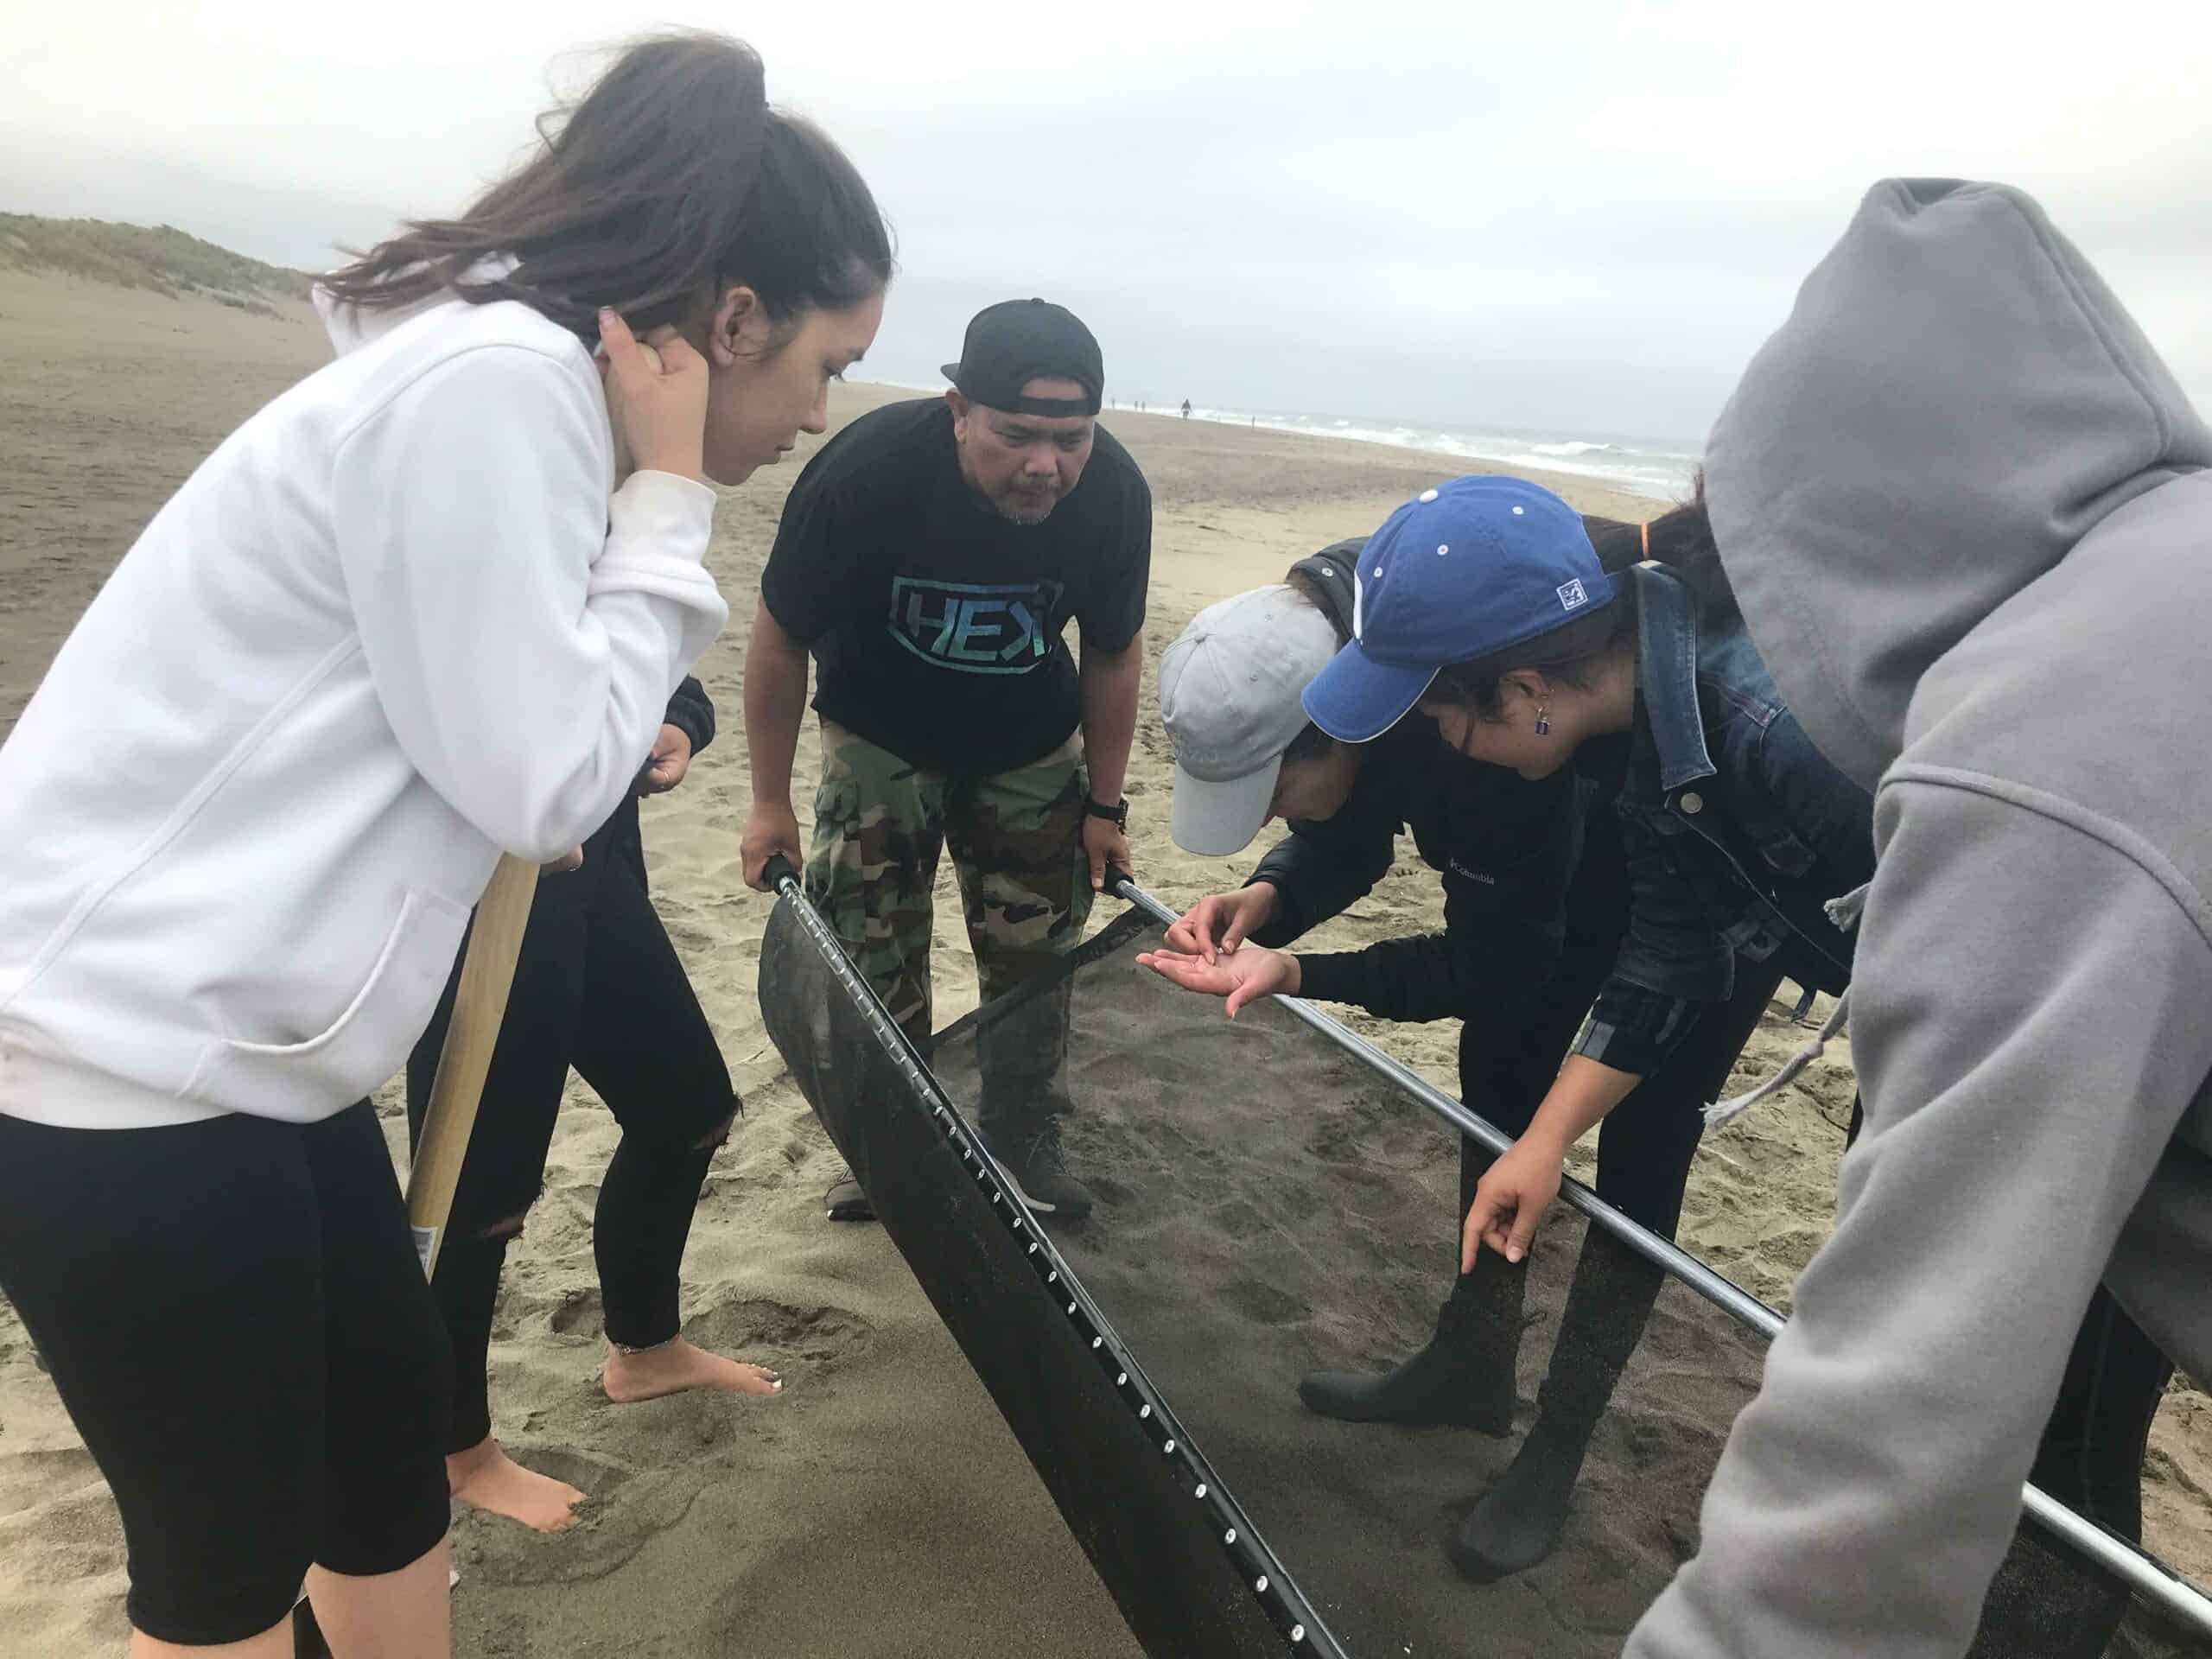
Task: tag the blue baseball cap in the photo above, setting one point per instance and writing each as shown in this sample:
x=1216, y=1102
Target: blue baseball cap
x=1472, y=568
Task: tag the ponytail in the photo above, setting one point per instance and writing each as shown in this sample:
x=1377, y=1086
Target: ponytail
x=671, y=179
x=1681, y=539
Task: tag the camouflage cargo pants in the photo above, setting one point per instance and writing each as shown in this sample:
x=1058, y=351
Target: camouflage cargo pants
x=1016, y=838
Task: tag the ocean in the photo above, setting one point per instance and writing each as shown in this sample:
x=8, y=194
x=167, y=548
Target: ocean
x=1659, y=467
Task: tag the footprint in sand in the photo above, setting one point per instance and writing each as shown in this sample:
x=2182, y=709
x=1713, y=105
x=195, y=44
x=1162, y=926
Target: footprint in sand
x=1265, y=1303
x=666, y=1446
x=577, y=1313
x=1107, y=1191
x=787, y=1337
x=623, y=1510
x=28, y=1478
x=69, y=1536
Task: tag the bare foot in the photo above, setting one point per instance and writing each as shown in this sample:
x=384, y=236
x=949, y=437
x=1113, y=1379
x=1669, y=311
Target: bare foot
x=485, y=1477
x=675, y=1366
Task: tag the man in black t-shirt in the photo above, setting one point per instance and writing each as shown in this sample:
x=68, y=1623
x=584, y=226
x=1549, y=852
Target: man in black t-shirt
x=930, y=559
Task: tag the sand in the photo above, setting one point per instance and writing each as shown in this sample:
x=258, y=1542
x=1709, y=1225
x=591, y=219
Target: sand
x=1267, y=1206
x=879, y=1507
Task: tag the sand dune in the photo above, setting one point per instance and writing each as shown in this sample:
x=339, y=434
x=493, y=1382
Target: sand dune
x=879, y=1507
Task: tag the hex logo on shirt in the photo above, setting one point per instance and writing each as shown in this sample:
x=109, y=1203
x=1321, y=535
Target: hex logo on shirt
x=987, y=628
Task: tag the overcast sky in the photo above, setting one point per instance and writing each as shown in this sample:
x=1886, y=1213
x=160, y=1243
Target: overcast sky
x=1546, y=215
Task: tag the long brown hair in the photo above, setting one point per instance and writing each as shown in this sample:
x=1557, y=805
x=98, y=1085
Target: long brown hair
x=671, y=178
x=1681, y=539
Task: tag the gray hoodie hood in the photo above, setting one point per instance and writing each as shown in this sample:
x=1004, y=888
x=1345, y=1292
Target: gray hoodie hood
x=1968, y=513
x=1983, y=403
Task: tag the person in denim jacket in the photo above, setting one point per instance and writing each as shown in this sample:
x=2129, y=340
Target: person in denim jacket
x=1738, y=831
x=1484, y=604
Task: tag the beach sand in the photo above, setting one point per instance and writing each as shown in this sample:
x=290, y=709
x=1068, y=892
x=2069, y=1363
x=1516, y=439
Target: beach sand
x=879, y=1507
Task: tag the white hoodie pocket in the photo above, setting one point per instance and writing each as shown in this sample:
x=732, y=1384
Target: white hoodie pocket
x=304, y=1082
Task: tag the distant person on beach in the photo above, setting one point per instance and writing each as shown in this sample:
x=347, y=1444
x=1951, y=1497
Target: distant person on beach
x=1535, y=906
x=597, y=986
x=930, y=558
x=1965, y=508
x=416, y=611
x=1186, y=408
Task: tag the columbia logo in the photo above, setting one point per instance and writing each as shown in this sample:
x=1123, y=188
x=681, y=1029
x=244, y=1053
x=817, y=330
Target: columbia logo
x=1572, y=597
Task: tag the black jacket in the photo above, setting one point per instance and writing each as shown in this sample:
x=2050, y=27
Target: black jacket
x=692, y=713
x=1505, y=846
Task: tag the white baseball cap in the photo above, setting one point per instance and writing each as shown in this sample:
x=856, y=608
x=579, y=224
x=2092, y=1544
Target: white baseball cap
x=1228, y=695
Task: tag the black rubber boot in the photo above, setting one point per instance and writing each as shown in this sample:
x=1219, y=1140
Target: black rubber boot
x=1021, y=1055
x=1039, y=1172
x=2046, y=1599
x=1517, y=1522
x=1464, y=1377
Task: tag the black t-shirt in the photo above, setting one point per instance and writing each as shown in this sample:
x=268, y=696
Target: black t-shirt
x=936, y=624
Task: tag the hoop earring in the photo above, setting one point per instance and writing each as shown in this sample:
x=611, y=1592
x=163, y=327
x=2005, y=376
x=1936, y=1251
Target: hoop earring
x=1543, y=720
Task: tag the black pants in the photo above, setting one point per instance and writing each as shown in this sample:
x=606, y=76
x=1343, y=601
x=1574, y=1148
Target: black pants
x=1644, y=1148
x=1645, y=1152
x=598, y=986
x=234, y=1315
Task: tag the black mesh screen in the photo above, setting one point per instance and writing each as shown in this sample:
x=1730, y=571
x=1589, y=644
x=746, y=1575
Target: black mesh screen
x=1268, y=1204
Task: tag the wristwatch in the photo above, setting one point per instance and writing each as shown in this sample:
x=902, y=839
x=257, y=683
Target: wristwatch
x=1118, y=815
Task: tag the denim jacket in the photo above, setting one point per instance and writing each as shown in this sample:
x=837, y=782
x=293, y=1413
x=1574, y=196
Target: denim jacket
x=1737, y=831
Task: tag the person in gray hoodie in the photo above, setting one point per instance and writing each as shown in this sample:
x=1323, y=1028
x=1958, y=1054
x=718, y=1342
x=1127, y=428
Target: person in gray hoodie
x=1965, y=510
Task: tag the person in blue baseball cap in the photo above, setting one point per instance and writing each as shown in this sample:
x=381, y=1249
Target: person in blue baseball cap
x=1483, y=603
x=1485, y=609
x=1469, y=570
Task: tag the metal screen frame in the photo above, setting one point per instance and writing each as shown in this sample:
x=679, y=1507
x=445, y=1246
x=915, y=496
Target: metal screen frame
x=2147, y=1576
x=1285, y=1606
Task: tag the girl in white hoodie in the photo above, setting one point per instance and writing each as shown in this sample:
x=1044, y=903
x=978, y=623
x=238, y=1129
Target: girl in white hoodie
x=410, y=615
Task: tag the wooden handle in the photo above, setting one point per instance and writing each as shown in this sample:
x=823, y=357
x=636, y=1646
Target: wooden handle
x=487, y=973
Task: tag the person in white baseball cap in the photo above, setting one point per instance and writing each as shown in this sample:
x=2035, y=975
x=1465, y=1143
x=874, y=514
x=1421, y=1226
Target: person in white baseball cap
x=1228, y=695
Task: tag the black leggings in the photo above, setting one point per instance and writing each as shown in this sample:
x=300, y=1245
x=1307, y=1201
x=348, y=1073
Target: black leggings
x=1645, y=1152
x=1644, y=1148
x=234, y=1315
x=598, y=986
x=1506, y=1067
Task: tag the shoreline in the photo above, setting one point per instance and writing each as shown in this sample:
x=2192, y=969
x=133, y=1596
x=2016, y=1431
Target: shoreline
x=1368, y=435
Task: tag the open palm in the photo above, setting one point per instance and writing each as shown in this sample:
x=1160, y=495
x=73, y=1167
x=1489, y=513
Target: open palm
x=1240, y=976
